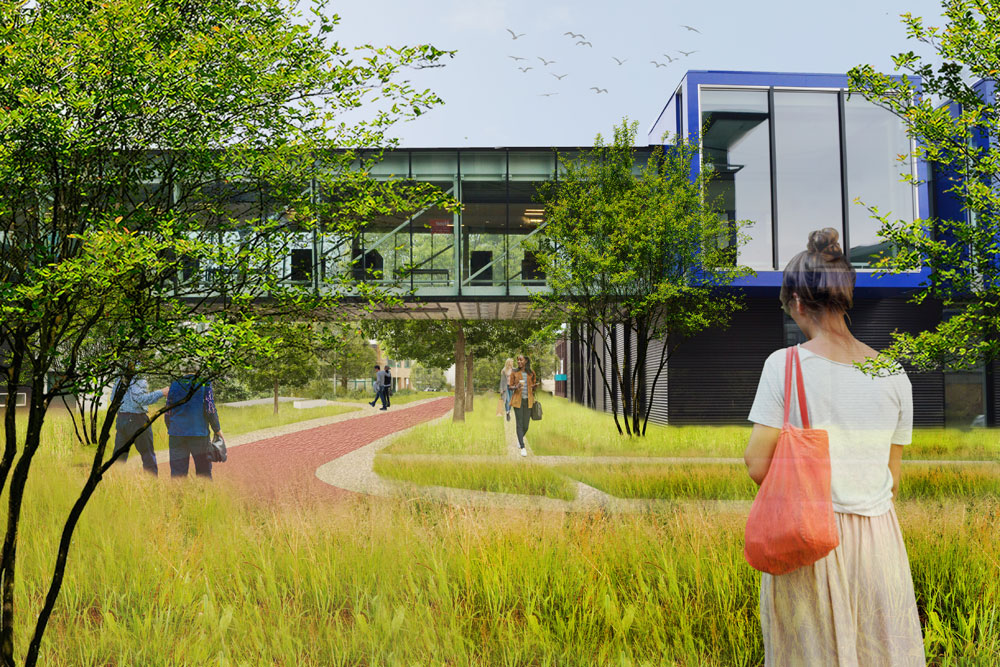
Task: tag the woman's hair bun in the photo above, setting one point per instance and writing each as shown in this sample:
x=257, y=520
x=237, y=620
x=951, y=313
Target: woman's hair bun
x=825, y=242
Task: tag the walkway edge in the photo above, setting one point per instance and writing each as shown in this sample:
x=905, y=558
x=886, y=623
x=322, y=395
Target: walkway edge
x=354, y=472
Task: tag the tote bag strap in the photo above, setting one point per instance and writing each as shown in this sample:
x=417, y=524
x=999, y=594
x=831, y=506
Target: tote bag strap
x=792, y=359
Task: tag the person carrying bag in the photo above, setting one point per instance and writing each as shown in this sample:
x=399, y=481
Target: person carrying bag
x=791, y=522
x=835, y=582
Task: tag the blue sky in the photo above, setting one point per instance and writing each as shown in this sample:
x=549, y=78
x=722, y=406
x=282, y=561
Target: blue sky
x=489, y=102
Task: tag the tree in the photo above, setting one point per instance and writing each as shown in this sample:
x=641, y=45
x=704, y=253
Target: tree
x=424, y=377
x=959, y=140
x=643, y=252
x=355, y=359
x=440, y=343
x=155, y=164
x=293, y=362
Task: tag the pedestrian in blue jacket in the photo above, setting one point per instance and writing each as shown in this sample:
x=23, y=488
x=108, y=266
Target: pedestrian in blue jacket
x=188, y=425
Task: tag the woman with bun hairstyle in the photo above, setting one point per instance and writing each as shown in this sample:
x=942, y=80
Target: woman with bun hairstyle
x=856, y=605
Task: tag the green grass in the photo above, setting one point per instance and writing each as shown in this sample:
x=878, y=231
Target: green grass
x=730, y=481
x=482, y=434
x=683, y=482
x=58, y=435
x=514, y=477
x=189, y=573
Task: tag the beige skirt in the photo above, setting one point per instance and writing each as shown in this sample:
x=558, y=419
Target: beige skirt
x=855, y=607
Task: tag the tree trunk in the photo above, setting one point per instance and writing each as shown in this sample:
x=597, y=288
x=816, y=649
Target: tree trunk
x=468, y=382
x=275, y=397
x=458, y=415
x=343, y=383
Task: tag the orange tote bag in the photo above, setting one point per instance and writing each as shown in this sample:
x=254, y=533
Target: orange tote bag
x=791, y=522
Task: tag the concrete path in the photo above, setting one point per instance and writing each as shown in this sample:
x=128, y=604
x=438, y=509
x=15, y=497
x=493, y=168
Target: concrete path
x=354, y=472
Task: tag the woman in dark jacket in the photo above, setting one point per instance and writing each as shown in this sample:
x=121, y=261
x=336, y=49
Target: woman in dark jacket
x=191, y=412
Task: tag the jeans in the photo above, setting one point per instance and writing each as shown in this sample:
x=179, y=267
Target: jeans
x=128, y=423
x=507, y=395
x=196, y=447
x=522, y=419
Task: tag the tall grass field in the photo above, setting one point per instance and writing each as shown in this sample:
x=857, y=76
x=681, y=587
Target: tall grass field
x=166, y=572
x=189, y=573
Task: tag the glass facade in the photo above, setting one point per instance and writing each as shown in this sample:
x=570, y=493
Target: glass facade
x=736, y=142
x=807, y=168
x=794, y=160
x=872, y=136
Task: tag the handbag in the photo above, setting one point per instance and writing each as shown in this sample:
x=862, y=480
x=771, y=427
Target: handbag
x=536, y=411
x=217, y=450
x=791, y=522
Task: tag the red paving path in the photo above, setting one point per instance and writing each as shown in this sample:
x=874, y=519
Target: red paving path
x=284, y=467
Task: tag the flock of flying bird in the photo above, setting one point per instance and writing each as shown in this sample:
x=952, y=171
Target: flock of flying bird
x=582, y=41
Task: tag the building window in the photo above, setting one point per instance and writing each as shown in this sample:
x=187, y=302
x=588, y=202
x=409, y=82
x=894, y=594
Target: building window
x=873, y=136
x=807, y=167
x=302, y=260
x=736, y=143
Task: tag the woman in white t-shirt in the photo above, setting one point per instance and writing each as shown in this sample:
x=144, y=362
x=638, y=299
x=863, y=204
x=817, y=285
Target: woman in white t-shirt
x=856, y=605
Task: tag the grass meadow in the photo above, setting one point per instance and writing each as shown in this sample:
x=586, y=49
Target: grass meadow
x=192, y=573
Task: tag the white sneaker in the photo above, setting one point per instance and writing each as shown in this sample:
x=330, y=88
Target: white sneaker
x=524, y=452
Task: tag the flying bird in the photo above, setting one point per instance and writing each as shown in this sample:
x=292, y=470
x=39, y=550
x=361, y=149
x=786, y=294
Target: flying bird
x=516, y=58
x=514, y=35
x=574, y=35
x=687, y=53
x=691, y=29
x=525, y=69
x=658, y=64
x=548, y=94
x=584, y=43
x=559, y=76
x=599, y=90
x=545, y=62
x=620, y=62
x=669, y=59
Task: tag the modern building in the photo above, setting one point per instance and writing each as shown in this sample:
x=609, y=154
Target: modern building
x=796, y=153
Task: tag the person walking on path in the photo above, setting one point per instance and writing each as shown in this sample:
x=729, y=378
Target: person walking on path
x=387, y=387
x=378, y=385
x=856, y=605
x=523, y=381
x=188, y=423
x=132, y=418
x=505, y=388
x=380, y=389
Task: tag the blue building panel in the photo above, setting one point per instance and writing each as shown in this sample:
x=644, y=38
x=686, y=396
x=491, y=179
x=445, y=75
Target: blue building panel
x=779, y=223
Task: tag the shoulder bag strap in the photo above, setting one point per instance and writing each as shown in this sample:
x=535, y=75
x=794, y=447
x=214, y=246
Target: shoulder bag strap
x=800, y=386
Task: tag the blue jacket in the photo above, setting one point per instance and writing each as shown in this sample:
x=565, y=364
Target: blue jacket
x=194, y=417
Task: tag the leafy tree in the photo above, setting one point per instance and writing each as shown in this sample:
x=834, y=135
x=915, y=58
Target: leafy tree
x=641, y=251
x=293, y=362
x=959, y=140
x=440, y=343
x=155, y=158
x=425, y=377
x=353, y=360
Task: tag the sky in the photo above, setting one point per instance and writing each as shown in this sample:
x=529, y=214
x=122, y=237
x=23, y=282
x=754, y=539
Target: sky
x=489, y=102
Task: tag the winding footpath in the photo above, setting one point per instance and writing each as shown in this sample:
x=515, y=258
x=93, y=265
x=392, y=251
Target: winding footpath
x=283, y=467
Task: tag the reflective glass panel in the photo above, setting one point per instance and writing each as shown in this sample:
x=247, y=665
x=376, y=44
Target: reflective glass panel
x=526, y=214
x=484, y=222
x=737, y=145
x=875, y=139
x=807, y=168
x=532, y=165
x=488, y=165
x=430, y=164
